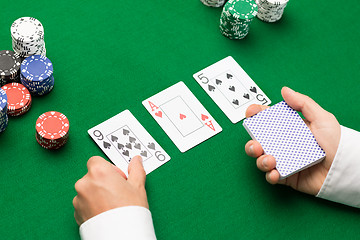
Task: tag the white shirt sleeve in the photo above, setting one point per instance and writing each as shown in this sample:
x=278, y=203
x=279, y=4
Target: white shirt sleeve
x=130, y=223
x=342, y=183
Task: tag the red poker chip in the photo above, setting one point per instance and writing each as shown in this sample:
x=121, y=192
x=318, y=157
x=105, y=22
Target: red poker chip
x=19, y=98
x=52, y=130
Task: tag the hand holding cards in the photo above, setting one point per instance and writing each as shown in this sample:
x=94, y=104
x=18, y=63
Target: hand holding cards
x=283, y=134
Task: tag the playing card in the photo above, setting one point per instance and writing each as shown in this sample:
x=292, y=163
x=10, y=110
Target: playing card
x=123, y=137
x=230, y=88
x=182, y=116
x=283, y=134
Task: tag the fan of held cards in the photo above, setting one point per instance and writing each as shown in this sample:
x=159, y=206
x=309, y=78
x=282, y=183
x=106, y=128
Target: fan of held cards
x=187, y=123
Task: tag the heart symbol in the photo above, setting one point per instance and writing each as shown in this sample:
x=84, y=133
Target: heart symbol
x=236, y=102
x=107, y=145
x=229, y=76
x=218, y=82
x=143, y=153
x=151, y=146
x=159, y=114
x=120, y=146
x=182, y=116
x=125, y=132
x=137, y=146
x=126, y=153
x=253, y=89
x=204, y=117
x=211, y=88
x=132, y=139
x=232, y=88
x=128, y=145
x=114, y=138
x=246, y=95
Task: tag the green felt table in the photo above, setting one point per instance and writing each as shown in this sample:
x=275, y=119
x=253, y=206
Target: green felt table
x=108, y=56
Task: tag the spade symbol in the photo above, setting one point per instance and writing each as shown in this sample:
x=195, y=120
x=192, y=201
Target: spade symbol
x=151, y=146
x=229, y=76
x=120, y=146
x=232, y=88
x=132, y=139
x=114, y=138
x=143, y=153
x=126, y=153
x=211, y=88
x=125, y=132
x=218, y=82
x=107, y=145
x=128, y=145
x=236, y=102
x=137, y=146
x=246, y=95
x=253, y=89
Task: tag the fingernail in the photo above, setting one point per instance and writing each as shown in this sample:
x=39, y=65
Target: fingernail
x=265, y=162
x=251, y=150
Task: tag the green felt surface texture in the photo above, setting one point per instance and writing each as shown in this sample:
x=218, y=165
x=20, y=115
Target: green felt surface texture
x=108, y=56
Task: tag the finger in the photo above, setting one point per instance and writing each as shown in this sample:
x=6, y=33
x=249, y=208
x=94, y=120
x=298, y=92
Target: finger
x=254, y=109
x=300, y=102
x=137, y=175
x=266, y=163
x=273, y=176
x=253, y=149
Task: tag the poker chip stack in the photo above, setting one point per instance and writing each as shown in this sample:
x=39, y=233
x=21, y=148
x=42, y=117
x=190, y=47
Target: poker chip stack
x=52, y=130
x=213, y=3
x=36, y=73
x=18, y=99
x=271, y=10
x=236, y=18
x=9, y=67
x=3, y=111
x=27, y=35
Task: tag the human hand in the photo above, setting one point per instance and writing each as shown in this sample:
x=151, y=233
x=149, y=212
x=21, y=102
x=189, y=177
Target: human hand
x=106, y=187
x=326, y=130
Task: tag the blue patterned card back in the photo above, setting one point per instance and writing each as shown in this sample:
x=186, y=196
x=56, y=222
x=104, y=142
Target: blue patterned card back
x=283, y=134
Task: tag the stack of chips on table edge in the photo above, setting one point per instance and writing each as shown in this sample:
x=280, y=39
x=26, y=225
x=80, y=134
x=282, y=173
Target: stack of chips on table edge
x=18, y=99
x=3, y=111
x=52, y=130
x=37, y=75
x=271, y=10
x=236, y=18
x=9, y=67
x=213, y=3
x=27, y=35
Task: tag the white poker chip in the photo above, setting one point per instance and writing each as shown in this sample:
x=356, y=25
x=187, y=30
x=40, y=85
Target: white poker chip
x=27, y=34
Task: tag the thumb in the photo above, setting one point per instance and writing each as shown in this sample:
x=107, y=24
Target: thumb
x=302, y=103
x=137, y=175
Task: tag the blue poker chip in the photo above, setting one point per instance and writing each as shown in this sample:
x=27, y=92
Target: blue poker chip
x=3, y=101
x=36, y=68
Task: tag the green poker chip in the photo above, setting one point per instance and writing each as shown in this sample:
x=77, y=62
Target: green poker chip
x=236, y=18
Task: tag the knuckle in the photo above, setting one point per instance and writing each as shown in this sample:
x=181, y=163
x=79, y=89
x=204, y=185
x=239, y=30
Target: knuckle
x=80, y=185
x=74, y=202
x=92, y=161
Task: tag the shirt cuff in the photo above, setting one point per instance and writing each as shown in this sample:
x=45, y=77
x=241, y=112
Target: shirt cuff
x=132, y=222
x=342, y=183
